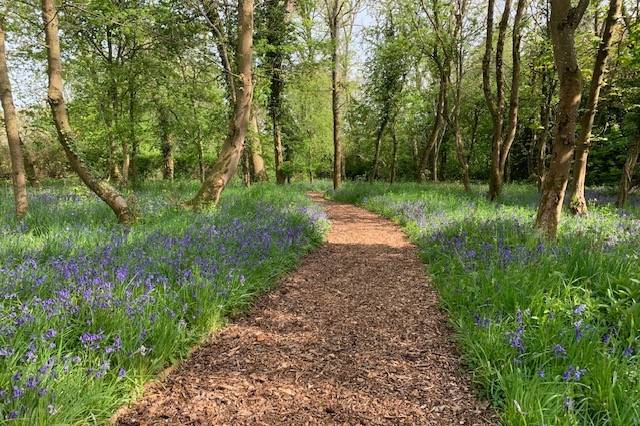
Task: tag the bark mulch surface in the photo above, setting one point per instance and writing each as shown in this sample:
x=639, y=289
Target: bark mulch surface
x=353, y=336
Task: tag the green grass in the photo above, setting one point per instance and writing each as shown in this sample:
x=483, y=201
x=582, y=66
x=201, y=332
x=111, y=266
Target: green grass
x=90, y=311
x=513, y=297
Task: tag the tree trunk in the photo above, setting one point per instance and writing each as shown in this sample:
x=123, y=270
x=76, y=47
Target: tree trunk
x=459, y=72
x=627, y=172
x=30, y=165
x=578, y=204
x=61, y=118
x=278, y=19
x=257, y=162
x=376, y=157
x=394, y=154
x=126, y=157
x=512, y=126
x=335, y=100
x=18, y=174
x=246, y=169
x=495, y=105
x=166, y=139
x=227, y=164
x=564, y=21
x=436, y=130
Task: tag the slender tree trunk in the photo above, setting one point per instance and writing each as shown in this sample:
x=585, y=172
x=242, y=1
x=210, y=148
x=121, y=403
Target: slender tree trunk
x=459, y=72
x=166, y=140
x=435, y=133
x=126, y=157
x=246, y=168
x=18, y=174
x=278, y=20
x=376, y=157
x=627, y=173
x=335, y=99
x=257, y=162
x=61, y=118
x=512, y=124
x=200, y=152
x=495, y=105
x=394, y=154
x=227, y=164
x=564, y=21
x=578, y=204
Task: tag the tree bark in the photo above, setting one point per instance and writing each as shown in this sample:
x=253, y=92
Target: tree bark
x=627, y=173
x=376, y=156
x=18, y=174
x=30, y=165
x=394, y=154
x=225, y=167
x=278, y=20
x=578, y=204
x=61, y=118
x=436, y=130
x=166, y=140
x=564, y=21
x=461, y=7
x=495, y=105
x=257, y=162
x=335, y=95
x=512, y=126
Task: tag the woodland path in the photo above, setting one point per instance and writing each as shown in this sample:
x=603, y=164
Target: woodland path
x=353, y=336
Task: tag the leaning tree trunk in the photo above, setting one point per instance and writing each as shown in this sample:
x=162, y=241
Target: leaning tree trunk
x=225, y=167
x=564, y=21
x=61, y=118
x=627, y=172
x=578, y=204
x=18, y=175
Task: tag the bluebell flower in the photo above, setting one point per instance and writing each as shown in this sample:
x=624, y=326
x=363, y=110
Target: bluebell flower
x=628, y=351
x=579, y=309
x=568, y=403
x=559, y=350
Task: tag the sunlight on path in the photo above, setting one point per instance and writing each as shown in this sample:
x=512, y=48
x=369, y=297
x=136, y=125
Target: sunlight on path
x=353, y=336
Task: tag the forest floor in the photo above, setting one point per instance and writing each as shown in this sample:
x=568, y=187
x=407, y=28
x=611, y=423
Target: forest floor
x=354, y=336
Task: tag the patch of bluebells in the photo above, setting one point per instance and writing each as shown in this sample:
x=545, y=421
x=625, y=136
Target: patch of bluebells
x=56, y=304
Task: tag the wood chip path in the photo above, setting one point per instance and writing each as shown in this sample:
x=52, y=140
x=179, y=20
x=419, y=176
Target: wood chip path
x=354, y=336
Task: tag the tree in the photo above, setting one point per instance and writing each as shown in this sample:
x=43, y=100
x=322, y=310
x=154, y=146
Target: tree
x=564, y=21
x=18, y=174
x=502, y=137
x=388, y=71
x=578, y=202
x=338, y=14
x=227, y=163
x=277, y=32
x=65, y=133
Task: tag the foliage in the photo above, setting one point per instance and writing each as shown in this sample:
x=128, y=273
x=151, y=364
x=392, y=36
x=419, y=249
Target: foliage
x=550, y=330
x=90, y=311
